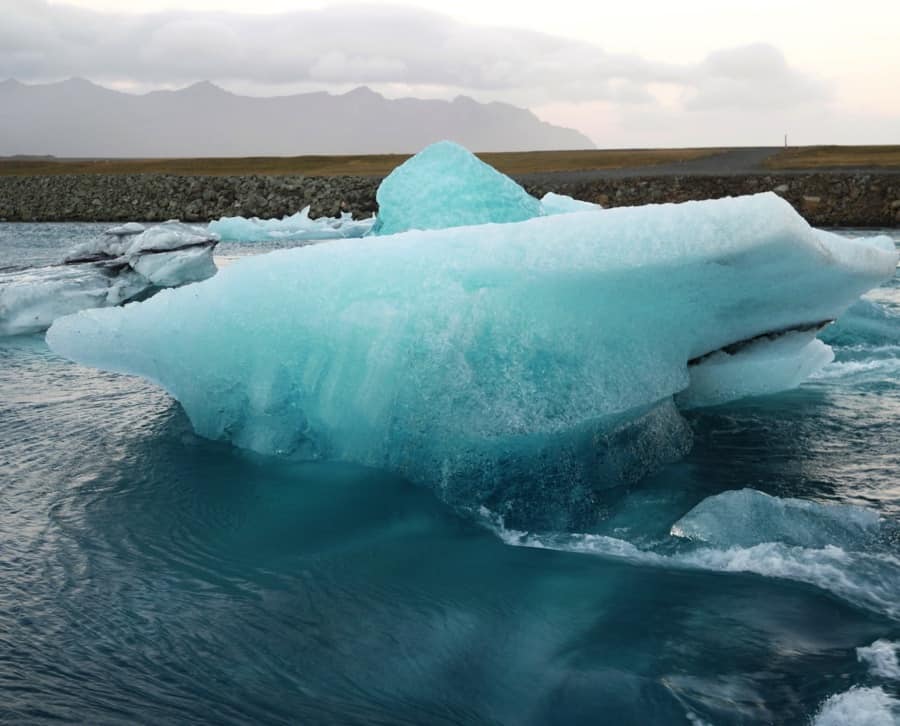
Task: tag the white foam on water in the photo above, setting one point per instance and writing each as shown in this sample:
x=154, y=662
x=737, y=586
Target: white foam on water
x=859, y=707
x=879, y=368
x=881, y=657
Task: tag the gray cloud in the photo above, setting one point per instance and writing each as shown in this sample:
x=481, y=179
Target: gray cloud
x=372, y=45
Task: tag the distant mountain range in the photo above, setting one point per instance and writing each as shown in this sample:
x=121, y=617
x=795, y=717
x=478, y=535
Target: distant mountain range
x=77, y=118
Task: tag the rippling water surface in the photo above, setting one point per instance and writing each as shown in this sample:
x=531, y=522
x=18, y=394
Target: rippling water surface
x=149, y=576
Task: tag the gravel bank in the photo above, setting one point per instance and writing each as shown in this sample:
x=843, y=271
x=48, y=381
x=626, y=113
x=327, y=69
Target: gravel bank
x=823, y=198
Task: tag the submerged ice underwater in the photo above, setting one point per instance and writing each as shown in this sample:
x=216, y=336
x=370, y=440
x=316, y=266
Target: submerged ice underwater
x=615, y=392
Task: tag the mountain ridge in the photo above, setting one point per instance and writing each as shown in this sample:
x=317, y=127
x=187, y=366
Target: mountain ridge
x=79, y=118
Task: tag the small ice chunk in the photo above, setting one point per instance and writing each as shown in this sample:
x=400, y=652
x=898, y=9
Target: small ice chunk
x=746, y=517
x=444, y=185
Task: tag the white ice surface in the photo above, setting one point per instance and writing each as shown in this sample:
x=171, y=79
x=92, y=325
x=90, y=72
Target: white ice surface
x=553, y=203
x=764, y=366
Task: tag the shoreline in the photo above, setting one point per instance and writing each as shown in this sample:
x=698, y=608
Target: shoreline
x=824, y=198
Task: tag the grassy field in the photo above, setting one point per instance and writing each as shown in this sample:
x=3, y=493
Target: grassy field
x=526, y=162
x=817, y=157
x=372, y=165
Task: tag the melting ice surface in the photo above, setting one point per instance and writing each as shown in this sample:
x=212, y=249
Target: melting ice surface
x=521, y=366
x=296, y=227
x=126, y=263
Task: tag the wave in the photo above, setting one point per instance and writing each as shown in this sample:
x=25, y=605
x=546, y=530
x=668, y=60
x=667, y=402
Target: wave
x=850, y=565
x=881, y=658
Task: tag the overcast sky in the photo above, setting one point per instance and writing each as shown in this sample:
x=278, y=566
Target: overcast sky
x=635, y=73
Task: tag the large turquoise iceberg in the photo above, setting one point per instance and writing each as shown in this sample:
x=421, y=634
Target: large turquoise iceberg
x=521, y=366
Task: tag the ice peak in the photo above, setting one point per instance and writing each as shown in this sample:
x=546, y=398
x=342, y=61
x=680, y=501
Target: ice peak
x=445, y=185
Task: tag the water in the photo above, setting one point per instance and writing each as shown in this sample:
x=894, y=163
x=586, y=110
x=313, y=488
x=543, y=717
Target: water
x=149, y=576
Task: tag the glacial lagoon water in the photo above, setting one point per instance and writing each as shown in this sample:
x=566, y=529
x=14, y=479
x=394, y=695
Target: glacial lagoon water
x=150, y=576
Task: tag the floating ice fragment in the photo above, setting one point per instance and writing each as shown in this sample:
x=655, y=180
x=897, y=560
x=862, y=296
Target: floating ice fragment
x=444, y=185
x=125, y=264
x=748, y=517
x=293, y=228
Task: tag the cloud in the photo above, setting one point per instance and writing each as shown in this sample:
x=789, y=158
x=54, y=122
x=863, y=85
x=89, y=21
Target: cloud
x=752, y=77
x=374, y=45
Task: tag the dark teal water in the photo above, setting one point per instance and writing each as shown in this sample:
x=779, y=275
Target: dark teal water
x=149, y=576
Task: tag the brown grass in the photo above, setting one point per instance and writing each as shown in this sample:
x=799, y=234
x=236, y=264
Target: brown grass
x=371, y=165
x=816, y=157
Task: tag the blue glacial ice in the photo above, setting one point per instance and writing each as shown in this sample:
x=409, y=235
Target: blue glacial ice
x=445, y=185
x=126, y=263
x=520, y=366
x=294, y=228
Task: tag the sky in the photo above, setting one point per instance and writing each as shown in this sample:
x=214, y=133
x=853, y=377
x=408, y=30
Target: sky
x=641, y=73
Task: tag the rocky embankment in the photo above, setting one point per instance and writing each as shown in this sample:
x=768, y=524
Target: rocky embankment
x=825, y=199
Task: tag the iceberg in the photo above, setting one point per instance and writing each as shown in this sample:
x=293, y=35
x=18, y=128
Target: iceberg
x=445, y=185
x=294, y=228
x=523, y=366
x=126, y=263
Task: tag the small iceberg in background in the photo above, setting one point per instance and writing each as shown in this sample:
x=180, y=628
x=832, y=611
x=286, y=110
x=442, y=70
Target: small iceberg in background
x=523, y=365
x=445, y=185
x=294, y=228
x=126, y=263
